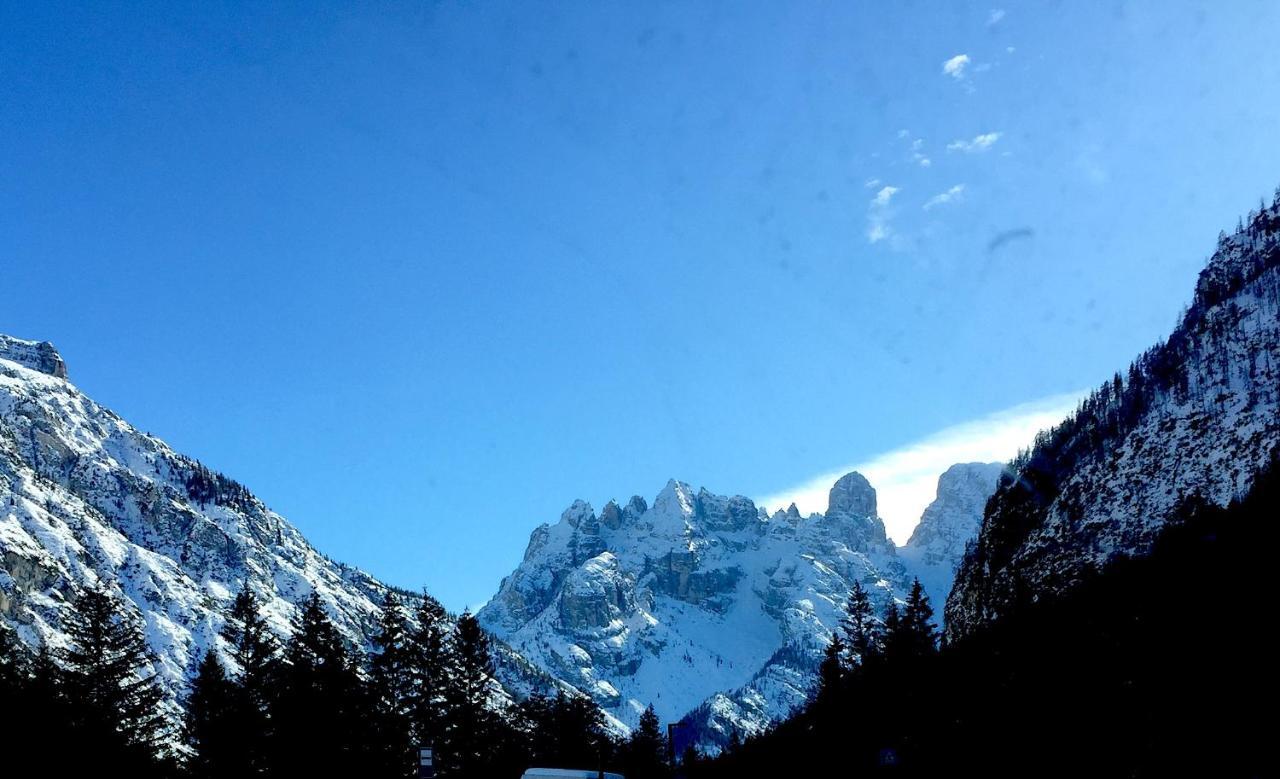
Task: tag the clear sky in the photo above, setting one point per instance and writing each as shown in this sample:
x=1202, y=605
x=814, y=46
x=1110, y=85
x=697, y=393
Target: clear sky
x=420, y=274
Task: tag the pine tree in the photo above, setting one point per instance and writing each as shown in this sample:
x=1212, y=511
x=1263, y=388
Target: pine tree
x=257, y=652
x=831, y=672
x=470, y=724
x=319, y=711
x=645, y=753
x=532, y=718
x=253, y=645
x=579, y=724
x=46, y=678
x=917, y=620
x=565, y=730
x=859, y=626
x=428, y=658
x=211, y=728
x=894, y=640
x=13, y=661
x=108, y=673
x=14, y=683
x=391, y=682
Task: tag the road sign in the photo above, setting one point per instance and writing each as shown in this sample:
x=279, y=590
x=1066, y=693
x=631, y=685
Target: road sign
x=426, y=763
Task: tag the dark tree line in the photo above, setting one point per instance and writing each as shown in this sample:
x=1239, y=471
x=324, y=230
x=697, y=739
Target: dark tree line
x=93, y=703
x=1154, y=667
x=312, y=705
x=205, y=486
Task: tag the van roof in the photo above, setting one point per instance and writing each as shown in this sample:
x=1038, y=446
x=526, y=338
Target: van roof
x=566, y=773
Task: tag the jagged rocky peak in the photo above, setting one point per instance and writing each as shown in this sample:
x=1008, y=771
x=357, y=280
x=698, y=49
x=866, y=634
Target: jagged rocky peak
x=698, y=597
x=954, y=516
x=578, y=512
x=613, y=517
x=37, y=355
x=851, y=513
x=947, y=526
x=852, y=494
x=675, y=501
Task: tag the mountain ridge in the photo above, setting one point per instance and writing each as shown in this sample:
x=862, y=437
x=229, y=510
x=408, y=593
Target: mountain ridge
x=87, y=499
x=1194, y=416
x=631, y=605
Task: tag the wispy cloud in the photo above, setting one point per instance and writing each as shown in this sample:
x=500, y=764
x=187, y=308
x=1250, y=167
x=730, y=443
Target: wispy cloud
x=906, y=478
x=956, y=66
x=883, y=197
x=878, y=215
x=953, y=195
x=995, y=17
x=980, y=143
x=917, y=153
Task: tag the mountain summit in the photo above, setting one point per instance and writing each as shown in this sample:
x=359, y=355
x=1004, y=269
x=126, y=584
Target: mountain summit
x=705, y=606
x=36, y=355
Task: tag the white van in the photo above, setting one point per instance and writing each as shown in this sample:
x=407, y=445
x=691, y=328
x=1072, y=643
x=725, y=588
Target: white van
x=567, y=773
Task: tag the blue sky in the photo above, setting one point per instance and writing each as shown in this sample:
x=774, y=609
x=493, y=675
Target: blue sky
x=420, y=274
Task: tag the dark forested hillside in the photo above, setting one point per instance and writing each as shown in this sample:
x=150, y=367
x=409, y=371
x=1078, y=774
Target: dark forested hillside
x=1156, y=666
x=1195, y=414
x=310, y=706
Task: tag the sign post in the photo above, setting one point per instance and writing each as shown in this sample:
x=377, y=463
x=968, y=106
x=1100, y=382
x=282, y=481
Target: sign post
x=426, y=763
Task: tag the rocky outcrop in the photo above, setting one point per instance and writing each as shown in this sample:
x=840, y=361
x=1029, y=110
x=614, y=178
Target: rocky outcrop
x=948, y=525
x=852, y=495
x=36, y=355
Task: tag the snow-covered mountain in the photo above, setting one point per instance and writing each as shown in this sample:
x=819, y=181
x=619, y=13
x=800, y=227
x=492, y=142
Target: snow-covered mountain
x=1197, y=415
x=705, y=605
x=86, y=498
x=702, y=605
x=947, y=525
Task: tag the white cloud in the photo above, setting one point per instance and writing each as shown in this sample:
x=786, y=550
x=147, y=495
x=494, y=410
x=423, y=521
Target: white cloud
x=955, y=66
x=883, y=197
x=878, y=215
x=953, y=195
x=979, y=143
x=995, y=17
x=906, y=479
x=871, y=183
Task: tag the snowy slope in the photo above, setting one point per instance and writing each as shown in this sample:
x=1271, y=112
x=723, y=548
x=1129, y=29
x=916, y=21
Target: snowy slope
x=698, y=602
x=86, y=498
x=1195, y=415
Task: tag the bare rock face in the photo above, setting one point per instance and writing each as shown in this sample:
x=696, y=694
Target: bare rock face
x=595, y=595
x=953, y=518
x=36, y=355
x=699, y=602
x=852, y=494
